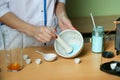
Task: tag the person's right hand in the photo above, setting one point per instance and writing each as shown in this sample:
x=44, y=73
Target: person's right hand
x=43, y=34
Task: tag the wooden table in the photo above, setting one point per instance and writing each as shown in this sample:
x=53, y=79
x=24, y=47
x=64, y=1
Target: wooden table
x=62, y=69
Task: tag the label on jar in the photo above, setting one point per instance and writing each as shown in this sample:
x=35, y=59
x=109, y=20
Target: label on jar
x=97, y=44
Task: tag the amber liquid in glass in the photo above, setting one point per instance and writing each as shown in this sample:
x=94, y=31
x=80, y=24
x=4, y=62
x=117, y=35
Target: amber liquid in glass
x=14, y=67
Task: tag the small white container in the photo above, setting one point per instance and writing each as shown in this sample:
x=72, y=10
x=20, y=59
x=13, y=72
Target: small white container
x=77, y=60
x=25, y=56
x=38, y=61
x=28, y=61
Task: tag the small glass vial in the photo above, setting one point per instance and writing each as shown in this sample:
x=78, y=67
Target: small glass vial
x=98, y=39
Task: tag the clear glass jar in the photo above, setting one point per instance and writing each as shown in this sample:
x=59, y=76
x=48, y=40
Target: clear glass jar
x=98, y=39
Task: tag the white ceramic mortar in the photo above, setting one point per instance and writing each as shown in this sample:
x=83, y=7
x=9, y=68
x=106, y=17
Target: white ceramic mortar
x=73, y=38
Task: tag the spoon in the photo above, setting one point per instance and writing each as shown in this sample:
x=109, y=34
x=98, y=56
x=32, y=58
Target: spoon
x=47, y=57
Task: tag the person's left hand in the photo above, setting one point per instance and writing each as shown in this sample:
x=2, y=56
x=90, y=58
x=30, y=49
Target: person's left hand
x=64, y=22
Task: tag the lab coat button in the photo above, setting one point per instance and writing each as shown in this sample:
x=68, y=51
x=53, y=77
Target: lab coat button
x=41, y=10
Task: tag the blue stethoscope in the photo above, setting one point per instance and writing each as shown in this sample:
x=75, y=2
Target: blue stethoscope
x=45, y=13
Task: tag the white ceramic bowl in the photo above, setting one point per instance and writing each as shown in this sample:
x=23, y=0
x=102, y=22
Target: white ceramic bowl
x=73, y=38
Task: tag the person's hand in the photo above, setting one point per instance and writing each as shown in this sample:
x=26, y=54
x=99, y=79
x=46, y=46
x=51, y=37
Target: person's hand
x=43, y=34
x=64, y=22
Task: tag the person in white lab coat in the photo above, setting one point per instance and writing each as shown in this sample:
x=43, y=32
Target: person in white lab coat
x=33, y=17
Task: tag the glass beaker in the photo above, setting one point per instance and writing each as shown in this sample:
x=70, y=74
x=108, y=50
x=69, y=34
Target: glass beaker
x=98, y=39
x=13, y=46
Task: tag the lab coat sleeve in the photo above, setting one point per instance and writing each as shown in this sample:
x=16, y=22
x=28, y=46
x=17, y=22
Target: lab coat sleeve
x=3, y=8
x=62, y=1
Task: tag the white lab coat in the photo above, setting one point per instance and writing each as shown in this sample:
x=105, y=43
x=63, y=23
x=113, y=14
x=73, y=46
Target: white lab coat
x=31, y=11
